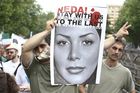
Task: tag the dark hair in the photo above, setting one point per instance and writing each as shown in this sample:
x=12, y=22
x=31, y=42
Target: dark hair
x=48, y=38
x=122, y=41
x=99, y=32
x=8, y=83
x=12, y=85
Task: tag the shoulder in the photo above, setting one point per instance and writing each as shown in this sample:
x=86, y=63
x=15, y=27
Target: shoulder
x=6, y=63
x=125, y=69
x=26, y=59
x=20, y=68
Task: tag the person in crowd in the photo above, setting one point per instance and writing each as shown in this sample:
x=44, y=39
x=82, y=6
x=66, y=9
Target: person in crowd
x=114, y=76
x=36, y=61
x=8, y=83
x=22, y=80
x=2, y=56
x=14, y=67
x=114, y=73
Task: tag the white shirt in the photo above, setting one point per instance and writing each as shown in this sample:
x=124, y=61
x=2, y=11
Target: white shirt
x=21, y=77
x=22, y=80
x=10, y=67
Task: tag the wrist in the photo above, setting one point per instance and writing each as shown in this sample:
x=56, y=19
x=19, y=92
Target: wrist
x=119, y=35
x=46, y=33
x=115, y=37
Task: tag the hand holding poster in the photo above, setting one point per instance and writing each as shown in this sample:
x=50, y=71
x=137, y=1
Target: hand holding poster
x=76, y=45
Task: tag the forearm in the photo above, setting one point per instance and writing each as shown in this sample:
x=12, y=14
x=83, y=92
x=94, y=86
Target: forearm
x=121, y=33
x=34, y=41
x=109, y=42
x=133, y=91
x=133, y=86
x=82, y=89
x=27, y=51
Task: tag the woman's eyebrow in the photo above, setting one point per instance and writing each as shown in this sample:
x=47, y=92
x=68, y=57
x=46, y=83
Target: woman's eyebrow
x=63, y=35
x=86, y=34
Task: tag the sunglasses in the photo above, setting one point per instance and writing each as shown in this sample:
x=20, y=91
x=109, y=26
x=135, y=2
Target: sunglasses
x=10, y=52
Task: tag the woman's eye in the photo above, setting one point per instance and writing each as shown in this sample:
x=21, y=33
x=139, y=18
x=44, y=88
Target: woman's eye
x=87, y=42
x=62, y=43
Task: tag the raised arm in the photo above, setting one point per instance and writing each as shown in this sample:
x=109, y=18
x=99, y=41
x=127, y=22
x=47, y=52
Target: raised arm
x=123, y=31
x=34, y=41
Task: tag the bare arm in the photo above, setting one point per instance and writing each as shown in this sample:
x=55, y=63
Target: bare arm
x=121, y=33
x=82, y=89
x=133, y=87
x=34, y=41
x=133, y=91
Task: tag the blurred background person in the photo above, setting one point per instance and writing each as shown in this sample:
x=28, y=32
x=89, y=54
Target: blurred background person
x=12, y=65
x=22, y=80
x=15, y=68
x=2, y=56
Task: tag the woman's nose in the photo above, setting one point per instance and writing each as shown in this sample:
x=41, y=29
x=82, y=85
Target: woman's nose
x=74, y=53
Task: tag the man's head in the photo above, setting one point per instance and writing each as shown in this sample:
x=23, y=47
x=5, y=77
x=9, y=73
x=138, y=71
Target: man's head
x=116, y=50
x=42, y=51
x=41, y=47
x=12, y=51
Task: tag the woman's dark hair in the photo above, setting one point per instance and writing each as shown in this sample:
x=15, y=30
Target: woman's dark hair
x=48, y=38
x=99, y=32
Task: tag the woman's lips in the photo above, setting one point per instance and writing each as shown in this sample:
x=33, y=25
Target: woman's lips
x=75, y=70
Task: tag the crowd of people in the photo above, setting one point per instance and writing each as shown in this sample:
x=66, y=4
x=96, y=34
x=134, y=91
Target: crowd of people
x=10, y=64
x=31, y=69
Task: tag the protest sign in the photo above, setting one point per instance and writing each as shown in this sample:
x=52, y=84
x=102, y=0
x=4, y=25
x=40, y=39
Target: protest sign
x=77, y=44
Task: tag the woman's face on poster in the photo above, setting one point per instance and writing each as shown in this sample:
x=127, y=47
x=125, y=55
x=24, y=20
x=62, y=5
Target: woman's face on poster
x=76, y=53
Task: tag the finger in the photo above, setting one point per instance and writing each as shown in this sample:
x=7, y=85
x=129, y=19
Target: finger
x=55, y=22
x=51, y=26
x=51, y=23
x=127, y=33
x=55, y=18
x=125, y=25
x=128, y=26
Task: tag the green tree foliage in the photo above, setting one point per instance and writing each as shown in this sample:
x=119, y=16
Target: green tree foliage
x=109, y=30
x=41, y=23
x=21, y=17
x=131, y=12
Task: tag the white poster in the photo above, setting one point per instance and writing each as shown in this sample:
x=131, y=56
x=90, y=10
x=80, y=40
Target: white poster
x=77, y=44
